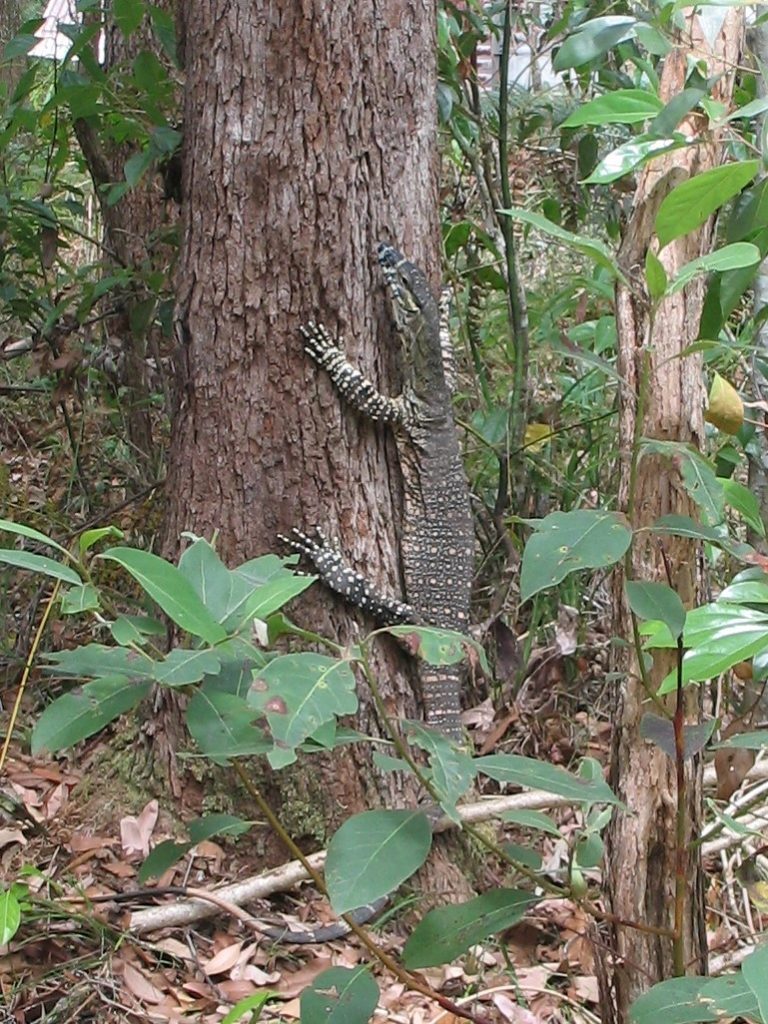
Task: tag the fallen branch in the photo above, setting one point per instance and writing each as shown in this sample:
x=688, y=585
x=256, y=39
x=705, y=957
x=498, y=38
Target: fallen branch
x=183, y=912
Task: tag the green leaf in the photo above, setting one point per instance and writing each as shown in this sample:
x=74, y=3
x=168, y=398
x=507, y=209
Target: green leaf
x=249, y=1005
x=745, y=740
x=128, y=14
x=536, y=820
x=162, y=857
x=10, y=916
x=684, y=526
x=372, y=853
x=298, y=693
x=625, y=106
x=660, y=731
x=438, y=646
x=753, y=109
x=40, y=564
x=340, y=995
x=689, y=204
x=181, y=667
x=447, y=932
x=628, y=156
x=688, y=1000
x=217, y=825
x=655, y=276
x=729, y=257
x=592, y=39
x=597, y=251
x=656, y=601
x=76, y=716
x=135, y=629
x=565, y=542
x=698, y=475
x=91, y=537
x=8, y=526
x=79, y=599
x=220, y=723
x=170, y=590
x=740, y=498
x=99, y=660
x=452, y=770
x=527, y=771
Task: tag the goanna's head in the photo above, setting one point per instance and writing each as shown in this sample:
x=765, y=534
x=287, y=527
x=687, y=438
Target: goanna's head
x=413, y=305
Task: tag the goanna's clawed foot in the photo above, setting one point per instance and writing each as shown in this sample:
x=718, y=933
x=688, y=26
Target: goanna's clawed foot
x=319, y=344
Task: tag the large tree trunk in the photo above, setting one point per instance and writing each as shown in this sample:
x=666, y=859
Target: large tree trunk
x=310, y=135
x=666, y=389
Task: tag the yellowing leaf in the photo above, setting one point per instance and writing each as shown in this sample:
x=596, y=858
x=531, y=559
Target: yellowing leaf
x=726, y=409
x=536, y=435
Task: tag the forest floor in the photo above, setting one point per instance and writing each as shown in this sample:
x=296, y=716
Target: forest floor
x=73, y=833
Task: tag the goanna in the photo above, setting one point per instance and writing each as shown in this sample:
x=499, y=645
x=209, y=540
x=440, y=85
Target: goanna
x=437, y=533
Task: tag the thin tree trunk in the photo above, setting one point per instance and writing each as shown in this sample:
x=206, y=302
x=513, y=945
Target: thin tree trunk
x=662, y=397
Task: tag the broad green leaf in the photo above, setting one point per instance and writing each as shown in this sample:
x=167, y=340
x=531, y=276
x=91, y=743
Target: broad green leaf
x=211, y=579
x=452, y=770
x=536, y=820
x=524, y=855
x=128, y=14
x=592, y=39
x=684, y=526
x=298, y=693
x=217, y=825
x=91, y=537
x=689, y=204
x=76, y=716
x=656, y=601
x=753, y=109
x=135, y=629
x=750, y=591
x=655, y=276
x=597, y=251
x=41, y=564
x=625, y=106
x=743, y=501
x=516, y=770
x=565, y=542
x=170, y=590
x=79, y=599
x=698, y=475
x=181, y=667
x=660, y=731
x=162, y=857
x=100, y=660
x=589, y=850
x=9, y=526
x=271, y=596
x=745, y=740
x=628, y=156
x=729, y=257
x=340, y=995
x=438, y=646
x=755, y=973
x=10, y=916
x=447, y=932
x=689, y=1000
x=372, y=853
x=220, y=723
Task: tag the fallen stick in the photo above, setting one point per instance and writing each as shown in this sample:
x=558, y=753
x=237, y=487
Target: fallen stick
x=182, y=912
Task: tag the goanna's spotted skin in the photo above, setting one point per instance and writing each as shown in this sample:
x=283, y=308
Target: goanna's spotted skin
x=437, y=535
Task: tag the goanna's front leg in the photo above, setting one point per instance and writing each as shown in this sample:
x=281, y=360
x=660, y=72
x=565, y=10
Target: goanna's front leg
x=359, y=392
x=334, y=571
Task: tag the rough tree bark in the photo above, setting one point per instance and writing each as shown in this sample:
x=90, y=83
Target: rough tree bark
x=310, y=135
x=662, y=396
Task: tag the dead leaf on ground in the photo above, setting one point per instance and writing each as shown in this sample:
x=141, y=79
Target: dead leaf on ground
x=135, y=832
